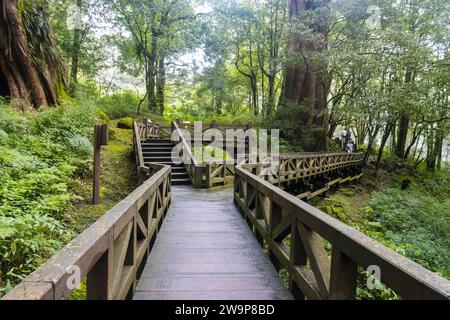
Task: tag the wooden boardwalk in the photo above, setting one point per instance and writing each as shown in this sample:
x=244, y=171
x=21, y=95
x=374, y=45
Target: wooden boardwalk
x=205, y=250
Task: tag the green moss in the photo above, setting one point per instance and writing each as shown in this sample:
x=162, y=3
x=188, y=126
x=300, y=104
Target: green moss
x=61, y=93
x=125, y=123
x=103, y=116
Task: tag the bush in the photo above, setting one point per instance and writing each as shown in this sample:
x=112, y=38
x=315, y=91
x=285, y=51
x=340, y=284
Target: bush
x=125, y=123
x=417, y=222
x=40, y=153
x=119, y=105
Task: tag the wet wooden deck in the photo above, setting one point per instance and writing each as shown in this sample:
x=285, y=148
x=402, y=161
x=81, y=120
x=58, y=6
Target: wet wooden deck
x=205, y=250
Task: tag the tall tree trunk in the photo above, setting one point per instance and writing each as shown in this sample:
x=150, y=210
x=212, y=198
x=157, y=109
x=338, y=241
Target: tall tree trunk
x=254, y=88
x=151, y=81
x=436, y=149
x=31, y=76
x=372, y=138
x=161, y=83
x=76, y=47
x=271, y=92
x=403, y=125
x=402, y=135
x=305, y=85
x=387, y=132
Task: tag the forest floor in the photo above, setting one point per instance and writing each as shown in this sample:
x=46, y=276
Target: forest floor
x=414, y=222
x=118, y=178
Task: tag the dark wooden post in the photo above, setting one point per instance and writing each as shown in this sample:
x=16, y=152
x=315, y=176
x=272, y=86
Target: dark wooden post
x=214, y=124
x=100, y=139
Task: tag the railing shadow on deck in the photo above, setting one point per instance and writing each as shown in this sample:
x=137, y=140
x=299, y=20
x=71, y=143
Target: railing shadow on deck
x=273, y=215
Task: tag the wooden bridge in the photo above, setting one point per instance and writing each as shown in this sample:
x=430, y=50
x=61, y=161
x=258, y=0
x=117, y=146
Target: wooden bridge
x=227, y=242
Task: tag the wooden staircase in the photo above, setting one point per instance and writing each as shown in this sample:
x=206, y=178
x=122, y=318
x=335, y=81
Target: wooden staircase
x=160, y=151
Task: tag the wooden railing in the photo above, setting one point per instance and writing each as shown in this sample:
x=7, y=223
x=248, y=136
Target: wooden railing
x=203, y=175
x=193, y=168
x=300, y=166
x=213, y=125
x=291, y=166
x=217, y=174
x=110, y=254
x=148, y=130
x=315, y=273
x=140, y=131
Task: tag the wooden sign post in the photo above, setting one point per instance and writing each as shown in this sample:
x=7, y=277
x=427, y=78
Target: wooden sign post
x=101, y=138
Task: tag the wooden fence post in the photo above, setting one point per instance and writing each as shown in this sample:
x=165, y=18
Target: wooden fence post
x=100, y=139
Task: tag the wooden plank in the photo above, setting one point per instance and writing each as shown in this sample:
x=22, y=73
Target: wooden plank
x=214, y=252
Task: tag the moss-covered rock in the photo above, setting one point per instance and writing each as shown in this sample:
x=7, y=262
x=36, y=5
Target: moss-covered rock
x=103, y=116
x=125, y=123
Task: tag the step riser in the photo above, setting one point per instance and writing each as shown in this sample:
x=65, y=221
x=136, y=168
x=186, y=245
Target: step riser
x=180, y=183
x=160, y=152
x=173, y=165
x=157, y=150
x=157, y=145
x=157, y=154
x=180, y=176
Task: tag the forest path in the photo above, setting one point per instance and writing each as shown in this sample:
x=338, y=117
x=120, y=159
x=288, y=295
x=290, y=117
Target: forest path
x=205, y=250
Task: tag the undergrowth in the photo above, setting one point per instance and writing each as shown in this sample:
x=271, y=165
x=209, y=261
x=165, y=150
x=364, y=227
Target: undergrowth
x=46, y=184
x=414, y=222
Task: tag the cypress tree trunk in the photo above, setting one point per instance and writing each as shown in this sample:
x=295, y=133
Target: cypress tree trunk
x=305, y=86
x=31, y=75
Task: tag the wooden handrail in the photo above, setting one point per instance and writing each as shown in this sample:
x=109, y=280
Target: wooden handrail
x=111, y=252
x=148, y=130
x=138, y=145
x=300, y=166
x=186, y=145
x=274, y=214
x=193, y=168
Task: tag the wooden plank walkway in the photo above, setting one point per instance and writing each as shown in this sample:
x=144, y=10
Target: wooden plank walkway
x=205, y=250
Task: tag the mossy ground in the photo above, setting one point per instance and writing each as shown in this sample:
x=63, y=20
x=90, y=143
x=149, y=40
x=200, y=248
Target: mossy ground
x=118, y=179
x=413, y=222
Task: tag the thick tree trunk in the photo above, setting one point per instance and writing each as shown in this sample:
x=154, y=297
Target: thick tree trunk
x=305, y=85
x=26, y=84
